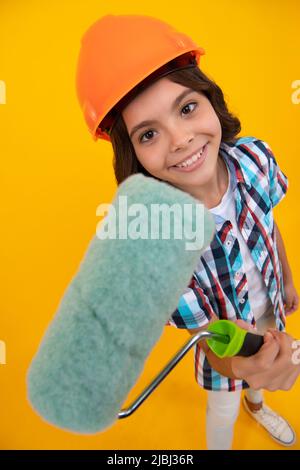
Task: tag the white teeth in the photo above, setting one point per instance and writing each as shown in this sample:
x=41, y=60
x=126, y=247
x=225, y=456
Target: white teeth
x=190, y=160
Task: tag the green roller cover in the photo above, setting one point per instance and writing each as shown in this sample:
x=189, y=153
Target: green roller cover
x=115, y=308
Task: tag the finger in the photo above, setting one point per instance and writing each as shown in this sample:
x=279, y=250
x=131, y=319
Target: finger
x=291, y=310
x=267, y=354
x=284, y=341
x=258, y=363
x=269, y=350
x=244, y=325
x=273, y=332
x=255, y=369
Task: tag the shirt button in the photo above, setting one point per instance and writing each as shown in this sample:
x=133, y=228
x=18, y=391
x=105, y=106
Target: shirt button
x=228, y=243
x=242, y=301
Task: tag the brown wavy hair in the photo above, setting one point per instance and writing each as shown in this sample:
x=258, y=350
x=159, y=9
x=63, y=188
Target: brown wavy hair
x=125, y=161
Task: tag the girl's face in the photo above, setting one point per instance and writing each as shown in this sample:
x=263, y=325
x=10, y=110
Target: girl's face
x=182, y=128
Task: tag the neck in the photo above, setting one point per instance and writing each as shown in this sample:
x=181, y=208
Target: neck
x=212, y=192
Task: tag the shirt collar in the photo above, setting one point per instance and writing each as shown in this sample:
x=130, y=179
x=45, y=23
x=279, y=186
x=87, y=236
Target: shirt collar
x=232, y=155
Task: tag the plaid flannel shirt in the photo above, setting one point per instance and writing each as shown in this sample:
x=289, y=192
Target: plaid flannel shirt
x=219, y=283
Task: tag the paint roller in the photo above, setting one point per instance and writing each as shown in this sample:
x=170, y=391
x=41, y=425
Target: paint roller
x=116, y=306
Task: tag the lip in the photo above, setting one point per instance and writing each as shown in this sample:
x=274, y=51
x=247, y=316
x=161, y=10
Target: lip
x=196, y=164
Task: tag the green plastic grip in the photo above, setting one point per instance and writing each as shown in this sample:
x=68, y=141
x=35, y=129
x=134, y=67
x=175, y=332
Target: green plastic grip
x=241, y=342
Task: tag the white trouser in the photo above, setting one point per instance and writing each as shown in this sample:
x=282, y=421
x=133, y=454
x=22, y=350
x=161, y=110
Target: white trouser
x=221, y=413
x=223, y=407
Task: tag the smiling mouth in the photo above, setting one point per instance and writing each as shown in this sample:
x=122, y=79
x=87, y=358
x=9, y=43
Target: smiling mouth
x=189, y=161
x=192, y=162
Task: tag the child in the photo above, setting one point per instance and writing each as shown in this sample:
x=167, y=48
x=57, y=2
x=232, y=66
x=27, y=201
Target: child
x=141, y=88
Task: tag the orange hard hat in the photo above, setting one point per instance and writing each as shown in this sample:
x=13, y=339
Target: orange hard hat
x=119, y=54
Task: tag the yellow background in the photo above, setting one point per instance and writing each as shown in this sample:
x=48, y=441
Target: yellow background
x=53, y=176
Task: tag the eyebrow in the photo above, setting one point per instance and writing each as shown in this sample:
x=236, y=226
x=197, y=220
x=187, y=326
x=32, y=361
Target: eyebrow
x=149, y=122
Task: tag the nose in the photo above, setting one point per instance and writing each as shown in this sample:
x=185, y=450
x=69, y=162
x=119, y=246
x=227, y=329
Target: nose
x=180, y=139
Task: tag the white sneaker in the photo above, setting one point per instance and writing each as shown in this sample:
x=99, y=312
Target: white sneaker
x=278, y=427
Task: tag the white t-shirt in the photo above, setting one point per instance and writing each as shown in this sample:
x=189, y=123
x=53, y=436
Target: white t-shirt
x=257, y=291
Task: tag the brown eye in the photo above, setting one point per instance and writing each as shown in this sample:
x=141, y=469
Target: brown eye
x=150, y=132
x=187, y=105
x=146, y=133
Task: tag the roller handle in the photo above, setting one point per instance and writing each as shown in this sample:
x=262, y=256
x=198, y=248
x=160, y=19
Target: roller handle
x=239, y=342
x=246, y=345
x=251, y=345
